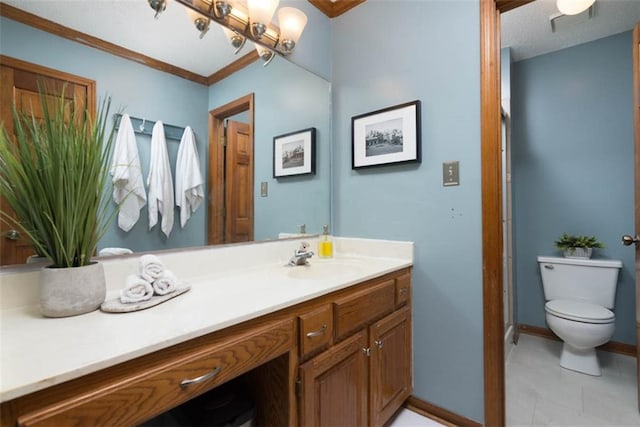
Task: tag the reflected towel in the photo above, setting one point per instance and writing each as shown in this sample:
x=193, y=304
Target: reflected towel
x=136, y=289
x=165, y=284
x=150, y=267
x=128, y=185
x=160, y=182
x=189, y=182
x=114, y=251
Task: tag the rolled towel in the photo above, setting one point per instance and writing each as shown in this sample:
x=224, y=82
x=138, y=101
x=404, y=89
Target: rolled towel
x=165, y=284
x=136, y=289
x=150, y=267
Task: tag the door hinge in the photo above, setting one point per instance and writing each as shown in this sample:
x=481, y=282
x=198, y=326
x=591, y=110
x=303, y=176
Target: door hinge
x=298, y=387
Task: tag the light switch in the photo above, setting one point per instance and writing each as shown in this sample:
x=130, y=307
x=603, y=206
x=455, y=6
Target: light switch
x=264, y=189
x=451, y=173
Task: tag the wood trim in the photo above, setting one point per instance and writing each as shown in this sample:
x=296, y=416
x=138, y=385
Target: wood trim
x=636, y=165
x=438, y=414
x=65, y=32
x=215, y=178
x=236, y=65
x=493, y=313
x=335, y=8
x=507, y=5
x=611, y=346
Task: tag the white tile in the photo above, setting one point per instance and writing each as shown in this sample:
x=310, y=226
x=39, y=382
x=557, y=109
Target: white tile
x=407, y=418
x=548, y=413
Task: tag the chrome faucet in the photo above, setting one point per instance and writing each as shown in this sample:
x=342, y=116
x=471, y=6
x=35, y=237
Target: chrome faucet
x=301, y=255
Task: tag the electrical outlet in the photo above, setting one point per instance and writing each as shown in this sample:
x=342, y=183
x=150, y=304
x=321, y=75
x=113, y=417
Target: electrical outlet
x=451, y=173
x=264, y=189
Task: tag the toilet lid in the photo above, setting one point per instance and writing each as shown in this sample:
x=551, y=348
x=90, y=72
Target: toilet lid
x=579, y=311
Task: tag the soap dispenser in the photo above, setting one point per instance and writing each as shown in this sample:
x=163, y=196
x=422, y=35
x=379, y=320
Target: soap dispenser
x=325, y=246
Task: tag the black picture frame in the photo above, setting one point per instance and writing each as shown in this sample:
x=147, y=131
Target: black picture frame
x=388, y=136
x=294, y=153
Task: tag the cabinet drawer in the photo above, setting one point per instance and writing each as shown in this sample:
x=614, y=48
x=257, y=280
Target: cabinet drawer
x=316, y=330
x=355, y=311
x=149, y=392
x=403, y=289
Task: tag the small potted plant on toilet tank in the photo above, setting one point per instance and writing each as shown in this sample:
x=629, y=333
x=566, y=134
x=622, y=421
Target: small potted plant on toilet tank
x=577, y=246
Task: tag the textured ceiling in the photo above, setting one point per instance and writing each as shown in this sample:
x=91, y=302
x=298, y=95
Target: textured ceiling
x=528, y=32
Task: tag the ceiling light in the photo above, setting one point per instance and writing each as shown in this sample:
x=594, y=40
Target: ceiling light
x=574, y=7
x=235, y=39
x=265, y=54
x=201, y=22
x=292, y=22
x=260, y=14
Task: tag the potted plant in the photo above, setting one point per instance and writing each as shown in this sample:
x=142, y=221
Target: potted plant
x=53, y=176
x=577, y=246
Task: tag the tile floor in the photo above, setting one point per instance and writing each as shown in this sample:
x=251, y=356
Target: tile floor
x=407, y=418
x=541, y=393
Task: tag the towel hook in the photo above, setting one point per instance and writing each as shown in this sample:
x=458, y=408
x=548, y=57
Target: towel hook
x=144, y=121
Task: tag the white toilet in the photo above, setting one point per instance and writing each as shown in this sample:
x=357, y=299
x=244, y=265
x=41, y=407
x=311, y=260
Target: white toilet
x=579, y=295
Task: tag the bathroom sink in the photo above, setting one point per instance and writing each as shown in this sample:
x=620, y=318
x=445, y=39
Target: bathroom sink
x=324, y=270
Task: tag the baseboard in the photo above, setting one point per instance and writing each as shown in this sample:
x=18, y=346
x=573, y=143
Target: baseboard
x=611, y=346
x=438, y=414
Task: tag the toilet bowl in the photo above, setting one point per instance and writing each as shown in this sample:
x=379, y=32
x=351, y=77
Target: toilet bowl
x=580, y=295
x=582, y=326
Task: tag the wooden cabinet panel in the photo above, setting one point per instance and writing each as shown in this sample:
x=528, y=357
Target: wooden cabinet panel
x=403, y=289
x=335, y=385
x=316, y=330
x=390, y=374
x=150, y=393
x=358, y=310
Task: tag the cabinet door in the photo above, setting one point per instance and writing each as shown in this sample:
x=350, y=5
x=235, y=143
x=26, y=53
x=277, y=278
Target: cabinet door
x=390, y=380
x=335, y=384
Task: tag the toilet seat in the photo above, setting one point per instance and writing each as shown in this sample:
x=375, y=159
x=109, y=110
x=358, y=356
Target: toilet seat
x=579, y=311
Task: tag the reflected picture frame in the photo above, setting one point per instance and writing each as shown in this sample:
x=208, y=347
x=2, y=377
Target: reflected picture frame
x=388, y=136
x=294, y=153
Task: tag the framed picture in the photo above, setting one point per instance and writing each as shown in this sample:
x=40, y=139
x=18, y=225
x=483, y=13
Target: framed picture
x=294, y=153
x=391, y=135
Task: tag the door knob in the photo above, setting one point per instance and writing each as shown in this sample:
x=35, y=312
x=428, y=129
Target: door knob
x=12, y=234
x=628, y=240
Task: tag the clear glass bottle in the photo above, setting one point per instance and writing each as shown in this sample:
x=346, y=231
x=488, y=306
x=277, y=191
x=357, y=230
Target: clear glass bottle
x=325, y=245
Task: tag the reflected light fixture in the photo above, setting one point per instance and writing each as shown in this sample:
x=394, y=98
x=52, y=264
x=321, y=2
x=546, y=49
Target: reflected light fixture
x=201, y=22
x=222, y=8
x=158, y=5
x=292, y=22
x=236, y=40
x=260, y=14
x=574, y=7
x=265, y=54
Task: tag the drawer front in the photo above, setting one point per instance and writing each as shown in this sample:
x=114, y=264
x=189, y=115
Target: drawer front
x=316, y=330
x=151, y=393
x=403, y=289
x=358, y=310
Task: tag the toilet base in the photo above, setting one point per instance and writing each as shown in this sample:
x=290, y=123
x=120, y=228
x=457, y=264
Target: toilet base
x=580, y=360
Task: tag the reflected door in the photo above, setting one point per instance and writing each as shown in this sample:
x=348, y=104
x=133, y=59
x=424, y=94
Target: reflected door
x=20, y=83
x=636, y=130
x=238, y=183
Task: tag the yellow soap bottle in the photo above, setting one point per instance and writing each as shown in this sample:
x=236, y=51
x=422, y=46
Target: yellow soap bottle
x=325, y=246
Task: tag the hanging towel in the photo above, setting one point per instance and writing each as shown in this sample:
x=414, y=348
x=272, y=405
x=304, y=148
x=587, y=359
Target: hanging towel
x=160, y=182
x=128, y=186
x=189, y=183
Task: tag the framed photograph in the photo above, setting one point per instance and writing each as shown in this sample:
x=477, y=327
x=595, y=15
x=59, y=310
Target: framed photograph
x=382, y=137
x=294, y=153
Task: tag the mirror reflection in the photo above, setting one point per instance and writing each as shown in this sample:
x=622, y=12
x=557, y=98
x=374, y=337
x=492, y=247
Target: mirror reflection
x=286, y=97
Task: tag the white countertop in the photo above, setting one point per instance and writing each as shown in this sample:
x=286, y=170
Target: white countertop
x=38, y=352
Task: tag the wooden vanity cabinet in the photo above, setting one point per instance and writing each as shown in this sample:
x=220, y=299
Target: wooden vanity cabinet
x=364, y=378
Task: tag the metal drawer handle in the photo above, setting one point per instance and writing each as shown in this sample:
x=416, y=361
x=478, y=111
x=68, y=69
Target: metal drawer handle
x=318, y=332
x=186, y=383
x=548, y=266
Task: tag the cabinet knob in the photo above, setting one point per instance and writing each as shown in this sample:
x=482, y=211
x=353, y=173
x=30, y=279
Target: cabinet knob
x=367, y=351
x=378, y=343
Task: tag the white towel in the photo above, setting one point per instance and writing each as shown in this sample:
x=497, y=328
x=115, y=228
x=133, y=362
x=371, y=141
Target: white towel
x=128, y=186
x=165, y=284
x=189, y=182
x=160, y=182
x=136, y=289
x=114, y=251
x=150, y=267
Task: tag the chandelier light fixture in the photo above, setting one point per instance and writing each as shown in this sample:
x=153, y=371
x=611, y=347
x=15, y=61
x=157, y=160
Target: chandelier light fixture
x=574, y=7
x=241, y=24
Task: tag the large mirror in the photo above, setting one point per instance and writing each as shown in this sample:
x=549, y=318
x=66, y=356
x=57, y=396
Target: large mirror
x=287, y=98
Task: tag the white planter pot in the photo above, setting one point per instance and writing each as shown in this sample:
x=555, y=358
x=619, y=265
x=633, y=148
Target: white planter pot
x=71, y=291
x=578, y=253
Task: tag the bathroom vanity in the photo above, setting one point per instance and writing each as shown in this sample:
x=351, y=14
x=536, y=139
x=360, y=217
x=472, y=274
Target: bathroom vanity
x=326, y=344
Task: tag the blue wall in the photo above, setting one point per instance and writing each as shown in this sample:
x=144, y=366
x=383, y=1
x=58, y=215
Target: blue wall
x=287, y=98
x=572, y=116
x=140, y=91
x=431, y=55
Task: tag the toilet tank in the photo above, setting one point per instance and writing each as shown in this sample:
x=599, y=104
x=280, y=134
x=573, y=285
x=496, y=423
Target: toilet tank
x=591, y=280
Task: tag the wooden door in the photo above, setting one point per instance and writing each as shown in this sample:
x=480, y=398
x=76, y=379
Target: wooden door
x=390, y=369
x=238, y=183
x=636, y=131
x=335, y=385
x=20, y=82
